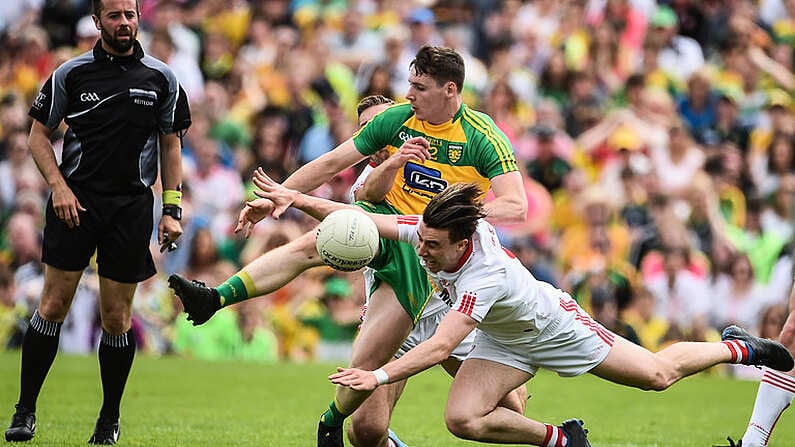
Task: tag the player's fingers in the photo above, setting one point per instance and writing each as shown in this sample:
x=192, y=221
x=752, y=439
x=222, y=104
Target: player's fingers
x=71, y=217
x=278, y=211
x=249, y=229
x=259, y=173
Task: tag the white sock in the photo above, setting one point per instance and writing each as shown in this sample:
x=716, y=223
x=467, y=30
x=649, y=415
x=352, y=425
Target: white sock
x=774, y=396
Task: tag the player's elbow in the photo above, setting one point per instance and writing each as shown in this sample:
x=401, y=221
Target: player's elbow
x=440, y=351
x=521, y=210
x=514, y=210
x=370, y=194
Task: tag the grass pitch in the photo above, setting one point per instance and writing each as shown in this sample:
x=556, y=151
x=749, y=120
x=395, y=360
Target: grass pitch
x=184, y=402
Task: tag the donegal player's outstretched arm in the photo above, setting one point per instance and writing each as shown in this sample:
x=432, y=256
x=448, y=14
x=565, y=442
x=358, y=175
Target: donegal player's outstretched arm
x=306, y=178
x=283, y=198
x=322, y=169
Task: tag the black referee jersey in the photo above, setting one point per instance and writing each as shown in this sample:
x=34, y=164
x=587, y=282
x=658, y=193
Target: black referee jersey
x=115, y=108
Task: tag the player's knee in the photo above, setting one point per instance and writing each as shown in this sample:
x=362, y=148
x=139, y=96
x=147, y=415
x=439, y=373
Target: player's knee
x=116, y=323
x=462, y=425
x=53, y=309
x=364, y=431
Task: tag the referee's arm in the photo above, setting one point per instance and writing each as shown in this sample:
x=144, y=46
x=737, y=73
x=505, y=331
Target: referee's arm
x=64, y=202
x=169, y=229
x=170, y=161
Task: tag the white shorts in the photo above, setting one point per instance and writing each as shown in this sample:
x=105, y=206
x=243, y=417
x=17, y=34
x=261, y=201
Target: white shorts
x=426, y=327
x=570, y=346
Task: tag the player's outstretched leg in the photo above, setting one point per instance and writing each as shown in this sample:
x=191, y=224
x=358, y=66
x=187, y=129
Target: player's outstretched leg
x=576, y=435
x=200, y=302
x=23, y=425
x=105, y=432
x=758, y=351
x=328, y=436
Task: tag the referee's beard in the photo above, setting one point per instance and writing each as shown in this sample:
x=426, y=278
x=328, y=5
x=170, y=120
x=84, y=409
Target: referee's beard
x=119, y=45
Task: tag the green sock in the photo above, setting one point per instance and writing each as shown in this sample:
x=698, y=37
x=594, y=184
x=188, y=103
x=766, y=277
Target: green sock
x=239, y=287
x=333, y=417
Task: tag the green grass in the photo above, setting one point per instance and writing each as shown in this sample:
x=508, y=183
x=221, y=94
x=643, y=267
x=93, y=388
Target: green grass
x=183, y=402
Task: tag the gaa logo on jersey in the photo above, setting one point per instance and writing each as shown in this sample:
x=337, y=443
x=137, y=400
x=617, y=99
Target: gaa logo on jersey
x=39, y=101
x=454, y=152
x=89, y=97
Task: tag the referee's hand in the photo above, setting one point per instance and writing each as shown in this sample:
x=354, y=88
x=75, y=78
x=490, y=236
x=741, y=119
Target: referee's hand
x=66, y=205
x=168, y=232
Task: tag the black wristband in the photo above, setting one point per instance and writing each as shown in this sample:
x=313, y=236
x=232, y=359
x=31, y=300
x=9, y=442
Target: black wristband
x=173, y=211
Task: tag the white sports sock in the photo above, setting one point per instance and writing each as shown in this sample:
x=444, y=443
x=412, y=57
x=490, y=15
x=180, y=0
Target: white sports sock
x=774, y=396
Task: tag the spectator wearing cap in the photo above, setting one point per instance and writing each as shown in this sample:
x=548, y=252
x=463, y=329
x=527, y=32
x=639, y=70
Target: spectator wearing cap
x=624, y=149
x=778, y=118
x=728, y=126
x=680, y=55
x=422, y=29
x=87, y=34
x=547, y=167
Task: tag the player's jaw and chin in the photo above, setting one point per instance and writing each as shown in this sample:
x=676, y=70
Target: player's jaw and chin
x=121, y=40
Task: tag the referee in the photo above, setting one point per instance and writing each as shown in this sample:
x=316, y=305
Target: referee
x=123, y=110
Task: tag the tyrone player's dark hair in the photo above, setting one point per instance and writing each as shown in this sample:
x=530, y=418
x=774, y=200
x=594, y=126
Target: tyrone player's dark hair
x=456, y=209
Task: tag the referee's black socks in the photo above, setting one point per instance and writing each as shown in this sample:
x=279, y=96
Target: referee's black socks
x=116, y=353
x=38, y=352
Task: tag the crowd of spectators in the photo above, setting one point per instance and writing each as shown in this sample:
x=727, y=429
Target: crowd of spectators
x=655, y=139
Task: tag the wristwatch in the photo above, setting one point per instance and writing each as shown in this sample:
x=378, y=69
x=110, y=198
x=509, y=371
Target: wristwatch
x=173, y=211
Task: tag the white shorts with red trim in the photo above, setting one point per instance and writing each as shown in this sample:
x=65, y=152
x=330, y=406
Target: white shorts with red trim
x=570, y=346
x=426, y=327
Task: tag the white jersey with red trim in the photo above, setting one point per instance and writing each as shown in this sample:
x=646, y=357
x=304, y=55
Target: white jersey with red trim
x=493, y=287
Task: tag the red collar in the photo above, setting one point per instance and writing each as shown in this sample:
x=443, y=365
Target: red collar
x=464, y=257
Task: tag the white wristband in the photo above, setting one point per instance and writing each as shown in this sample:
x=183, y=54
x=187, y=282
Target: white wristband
x=381, y=376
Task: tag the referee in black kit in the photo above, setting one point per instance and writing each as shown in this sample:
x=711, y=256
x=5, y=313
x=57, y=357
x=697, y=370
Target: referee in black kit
x=123, y=109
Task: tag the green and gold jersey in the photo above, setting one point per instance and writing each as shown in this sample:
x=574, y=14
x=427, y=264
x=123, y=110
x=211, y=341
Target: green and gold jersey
x=467, y=149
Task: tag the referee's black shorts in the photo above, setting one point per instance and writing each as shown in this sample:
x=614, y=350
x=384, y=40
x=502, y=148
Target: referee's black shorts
x=117, y=227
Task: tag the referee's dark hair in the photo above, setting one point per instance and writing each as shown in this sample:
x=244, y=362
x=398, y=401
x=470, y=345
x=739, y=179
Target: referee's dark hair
x=96, y=6
x=440, y=63
x=456, y=209
x=370, y=101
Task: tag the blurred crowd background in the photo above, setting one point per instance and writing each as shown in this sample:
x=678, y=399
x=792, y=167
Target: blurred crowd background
x=655, y=139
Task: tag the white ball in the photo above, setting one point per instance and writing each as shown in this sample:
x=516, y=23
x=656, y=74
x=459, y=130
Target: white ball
x=347, y=240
